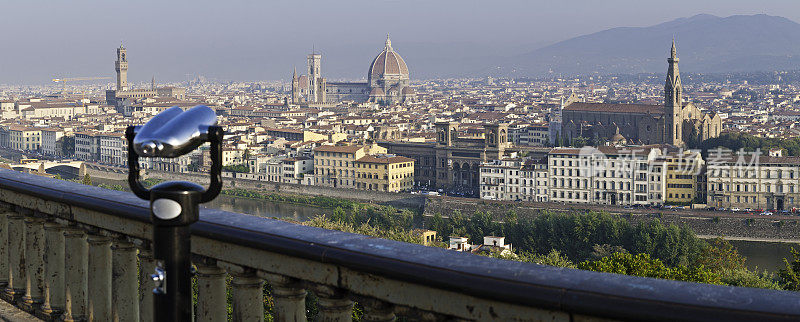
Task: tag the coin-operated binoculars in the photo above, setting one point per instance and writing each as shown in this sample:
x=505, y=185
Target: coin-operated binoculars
x=174, y=204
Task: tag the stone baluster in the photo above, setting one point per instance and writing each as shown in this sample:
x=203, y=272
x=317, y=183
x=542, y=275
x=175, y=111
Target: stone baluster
x=34, y=263
x=76, y=274
x=54, y=269
x=211, y=293
x=289, y=297
x=147, y=267
x=16, y=256
x=125, y=283
x=4, y=247
x=99, y=278
x=377, y=311
x=248, y=294
x=334, y=304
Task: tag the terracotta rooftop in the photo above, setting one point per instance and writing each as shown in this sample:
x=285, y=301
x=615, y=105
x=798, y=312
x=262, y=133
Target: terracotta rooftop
x=616, y=108
x=392, y=159
x=338, y=148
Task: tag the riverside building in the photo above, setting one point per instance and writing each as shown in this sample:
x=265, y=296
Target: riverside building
x=753, y=180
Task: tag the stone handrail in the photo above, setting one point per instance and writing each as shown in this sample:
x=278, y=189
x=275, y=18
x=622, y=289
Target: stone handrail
x=69, y=251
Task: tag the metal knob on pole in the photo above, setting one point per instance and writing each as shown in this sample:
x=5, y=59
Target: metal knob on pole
x=174, y=204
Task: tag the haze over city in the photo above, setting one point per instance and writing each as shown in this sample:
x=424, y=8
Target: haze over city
x=250, y=40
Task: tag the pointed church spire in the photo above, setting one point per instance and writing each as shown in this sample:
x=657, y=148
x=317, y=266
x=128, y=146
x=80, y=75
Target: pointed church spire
x=294, y=75
x=153, y=83
x=673, y=101
x=674, y=53
x=388, y=42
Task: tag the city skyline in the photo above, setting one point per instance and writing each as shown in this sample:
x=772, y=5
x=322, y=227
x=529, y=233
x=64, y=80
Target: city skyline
x=386, y=160
x=246, y=41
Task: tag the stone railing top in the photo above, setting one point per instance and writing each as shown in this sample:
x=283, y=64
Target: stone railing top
x=555, y=288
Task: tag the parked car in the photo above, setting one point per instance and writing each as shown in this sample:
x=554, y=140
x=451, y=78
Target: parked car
x=766, y=213
x=734, y=209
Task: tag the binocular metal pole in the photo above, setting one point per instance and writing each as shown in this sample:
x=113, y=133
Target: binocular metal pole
x=173, y=211
x=173, y=208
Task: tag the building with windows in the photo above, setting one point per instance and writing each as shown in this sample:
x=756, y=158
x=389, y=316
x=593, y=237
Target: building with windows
x=607, y=175
x=87, y=146
x=114, y=149
x=683, y=170
x=24, y=138
x=533, y=135
x=453, y=161
x=52, y=142
x=334, y=165
x=747, y=180
x=364, y=167
x=500, y=179
x=514, y=179
x=384, y=172
x=294, y=170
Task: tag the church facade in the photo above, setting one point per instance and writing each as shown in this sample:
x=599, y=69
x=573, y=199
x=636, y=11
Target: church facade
x=388, y=82
x=676, y=123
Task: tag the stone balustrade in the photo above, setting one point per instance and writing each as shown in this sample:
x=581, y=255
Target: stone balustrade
x=72, y=252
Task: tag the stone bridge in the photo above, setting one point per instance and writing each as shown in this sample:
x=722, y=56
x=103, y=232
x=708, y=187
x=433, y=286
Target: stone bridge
x=66, y=169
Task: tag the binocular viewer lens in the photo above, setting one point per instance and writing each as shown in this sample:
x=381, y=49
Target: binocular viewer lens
x=174, y=132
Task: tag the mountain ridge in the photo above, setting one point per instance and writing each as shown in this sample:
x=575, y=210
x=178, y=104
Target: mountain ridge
x=705, y=43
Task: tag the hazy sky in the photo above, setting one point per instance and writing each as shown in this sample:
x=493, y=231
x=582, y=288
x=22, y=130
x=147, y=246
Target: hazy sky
x=262, y=40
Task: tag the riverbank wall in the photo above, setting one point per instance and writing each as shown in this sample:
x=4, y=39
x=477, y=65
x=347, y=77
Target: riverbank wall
x=783, y=229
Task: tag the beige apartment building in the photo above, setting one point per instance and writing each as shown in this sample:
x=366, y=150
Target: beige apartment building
x=384, y=172
x=683, y=169
x=365, y=167
x=23, y=138
x=753, y=181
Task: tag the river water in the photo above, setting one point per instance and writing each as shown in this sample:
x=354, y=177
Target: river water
x=263, y=208
x=760, y=255
x=764, y=255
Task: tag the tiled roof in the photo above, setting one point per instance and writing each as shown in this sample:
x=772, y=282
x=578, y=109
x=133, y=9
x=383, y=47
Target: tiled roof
x=338, y=148
x=615, y=108
x=392, y=159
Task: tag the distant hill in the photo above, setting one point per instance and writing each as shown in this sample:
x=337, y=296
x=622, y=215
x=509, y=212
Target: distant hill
x=705, y=43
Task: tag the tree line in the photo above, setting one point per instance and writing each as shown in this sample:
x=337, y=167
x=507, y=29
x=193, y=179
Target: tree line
x=736, y=141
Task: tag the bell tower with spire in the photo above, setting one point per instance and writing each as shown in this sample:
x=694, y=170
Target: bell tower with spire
x=121, y=65
x=295, y=88
x=673, y=102
x=316, y=87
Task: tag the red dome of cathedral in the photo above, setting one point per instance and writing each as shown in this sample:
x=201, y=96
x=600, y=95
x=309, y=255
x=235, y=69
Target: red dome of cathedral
x=388, y=63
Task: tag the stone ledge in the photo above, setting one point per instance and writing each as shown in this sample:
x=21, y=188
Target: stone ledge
x=9, y=313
